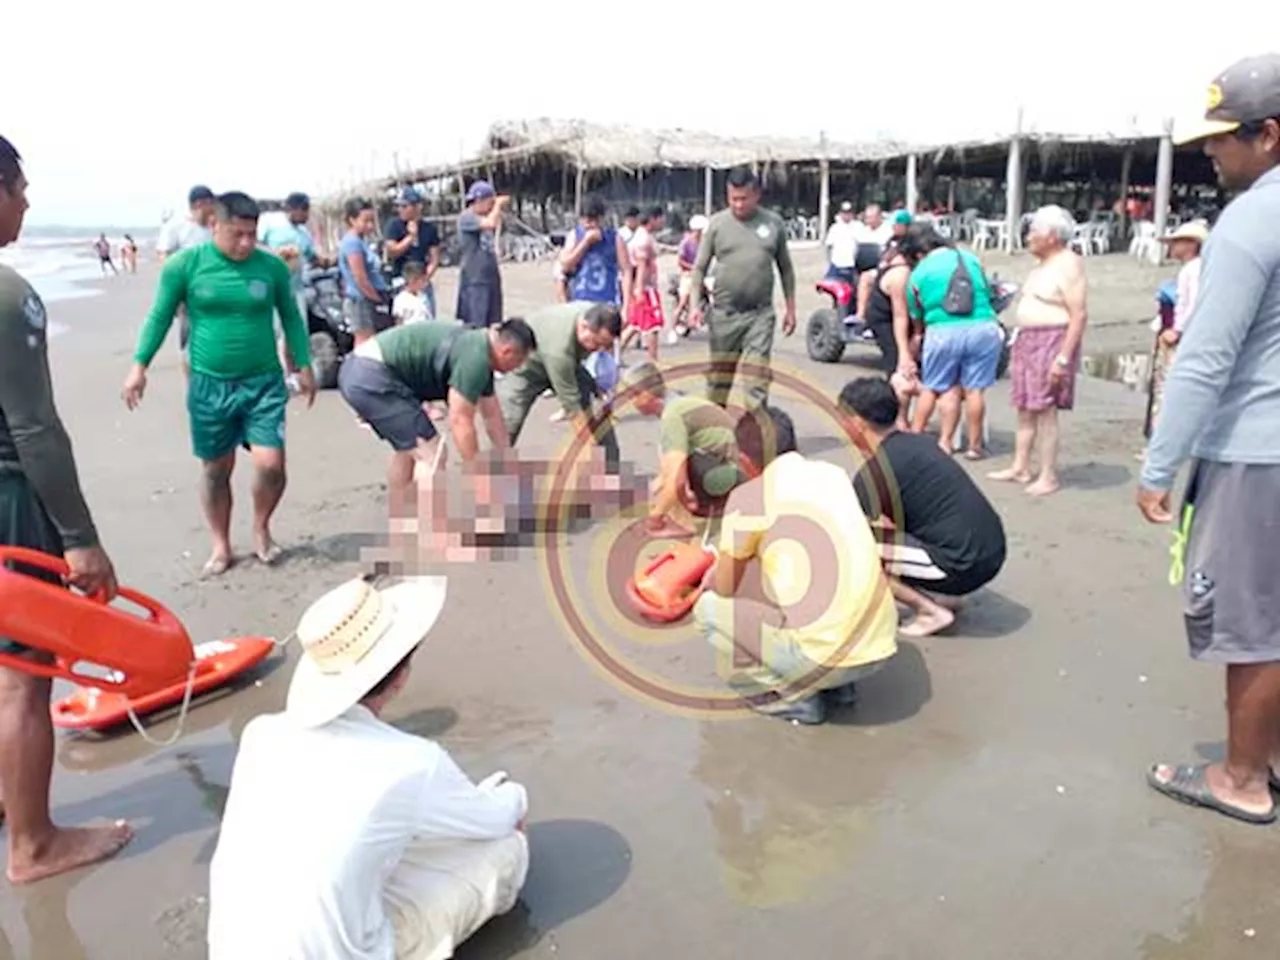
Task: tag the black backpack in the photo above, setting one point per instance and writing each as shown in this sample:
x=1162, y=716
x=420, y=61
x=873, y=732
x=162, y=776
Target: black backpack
x=959, y=298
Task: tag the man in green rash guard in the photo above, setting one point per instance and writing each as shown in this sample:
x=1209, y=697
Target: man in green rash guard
x=42, y=509
x=236, y=394
x=745, y=242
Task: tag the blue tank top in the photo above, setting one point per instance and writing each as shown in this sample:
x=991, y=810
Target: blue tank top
x=596, y=279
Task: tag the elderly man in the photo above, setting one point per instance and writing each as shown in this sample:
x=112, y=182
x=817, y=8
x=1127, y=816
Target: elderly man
x=1221, y=407
x=566, y=334
x=817, y=614
x=411, y=239
x=746, y=243
x=41, y=508
x=1051, y=316
x=479, y=276
x=873, y=229
x=344, y=836
x=236, y=392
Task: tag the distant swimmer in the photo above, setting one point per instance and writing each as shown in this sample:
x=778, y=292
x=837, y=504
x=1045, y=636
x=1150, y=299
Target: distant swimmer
x=103, y=247
x=41, y=508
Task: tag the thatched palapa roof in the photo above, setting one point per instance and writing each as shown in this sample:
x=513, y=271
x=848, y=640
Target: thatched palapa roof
x=594, y=146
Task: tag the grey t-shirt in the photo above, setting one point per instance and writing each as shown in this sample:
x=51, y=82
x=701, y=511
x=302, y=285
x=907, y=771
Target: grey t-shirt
x=1222, y=398
x=479, y=261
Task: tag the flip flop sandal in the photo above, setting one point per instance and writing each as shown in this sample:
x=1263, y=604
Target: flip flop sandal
x=1188, y=785
x=975, y=455
x=1274, y=779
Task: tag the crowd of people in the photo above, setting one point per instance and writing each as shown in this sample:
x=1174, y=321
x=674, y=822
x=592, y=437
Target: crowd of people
x=388, y=848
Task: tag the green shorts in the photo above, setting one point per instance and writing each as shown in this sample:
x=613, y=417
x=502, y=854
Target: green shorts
x=226, y=414
x=25, y=523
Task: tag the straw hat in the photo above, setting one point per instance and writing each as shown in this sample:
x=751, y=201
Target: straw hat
x=354, y=636
x=1196, y=230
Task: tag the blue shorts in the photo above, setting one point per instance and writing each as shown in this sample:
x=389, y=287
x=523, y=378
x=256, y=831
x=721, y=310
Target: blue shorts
x=961, y=354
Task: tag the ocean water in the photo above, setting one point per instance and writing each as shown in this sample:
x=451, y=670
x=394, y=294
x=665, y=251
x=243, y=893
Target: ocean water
x=58, y=261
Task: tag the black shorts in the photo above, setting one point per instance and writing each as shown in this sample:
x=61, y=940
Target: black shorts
x=25, y=523
x=480, y=305
x=384, y=402
x=916, y=565
x=709, y=471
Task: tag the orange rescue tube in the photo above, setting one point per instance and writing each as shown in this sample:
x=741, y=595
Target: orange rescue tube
x=134, y=654
x=667, y=588
x=217, y=662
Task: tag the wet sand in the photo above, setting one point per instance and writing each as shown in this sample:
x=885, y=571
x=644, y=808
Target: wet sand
x=984, y=800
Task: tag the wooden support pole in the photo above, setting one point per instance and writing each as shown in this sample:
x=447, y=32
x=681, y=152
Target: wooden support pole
x=913, y=187
x=1164, y=189
x=1015, y=175
x=824, y=190
x=579, y=181
x=1126, y=174
x=708, y=178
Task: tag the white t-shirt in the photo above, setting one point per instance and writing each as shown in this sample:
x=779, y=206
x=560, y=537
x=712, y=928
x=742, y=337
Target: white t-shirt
x=880, y=236
x=316, y=821
x=842, y=238
x=180, y=234
x=408, y=308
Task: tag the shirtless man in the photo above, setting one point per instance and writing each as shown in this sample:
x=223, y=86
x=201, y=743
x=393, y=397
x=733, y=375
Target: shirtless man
x=1051, y=317
x=41, y=508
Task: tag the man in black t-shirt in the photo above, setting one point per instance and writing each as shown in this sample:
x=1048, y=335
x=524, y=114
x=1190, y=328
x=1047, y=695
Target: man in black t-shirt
x=940, y=537
x=410, y=239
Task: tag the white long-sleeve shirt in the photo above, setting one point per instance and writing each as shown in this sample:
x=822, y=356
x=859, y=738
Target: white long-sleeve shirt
x=316, y=821
x=1188, y=288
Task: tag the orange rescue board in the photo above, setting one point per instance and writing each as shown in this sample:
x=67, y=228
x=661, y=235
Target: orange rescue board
x=217, y=662
x=667, y=588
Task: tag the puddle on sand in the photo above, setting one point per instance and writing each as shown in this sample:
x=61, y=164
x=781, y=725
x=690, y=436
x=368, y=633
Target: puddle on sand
x=1131, y=369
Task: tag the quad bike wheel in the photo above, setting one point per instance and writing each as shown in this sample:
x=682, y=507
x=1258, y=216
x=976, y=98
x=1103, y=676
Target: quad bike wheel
x=824, y=337
x=325, y=360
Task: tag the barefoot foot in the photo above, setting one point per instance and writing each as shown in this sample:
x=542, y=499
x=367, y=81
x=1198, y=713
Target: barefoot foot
x=1010, y=475
x=928, y=622
x=69, y=849
x=218, y=564
x=1042, y=488
x=268, y=551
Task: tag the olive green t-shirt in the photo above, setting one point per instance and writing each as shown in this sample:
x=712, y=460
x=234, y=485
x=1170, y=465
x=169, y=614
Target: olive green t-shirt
x=559, y=352
x=745, y=253
x=703, y=431
x=410, y=352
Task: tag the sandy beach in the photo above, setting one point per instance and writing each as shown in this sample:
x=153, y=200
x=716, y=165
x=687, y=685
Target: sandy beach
x=985, y=799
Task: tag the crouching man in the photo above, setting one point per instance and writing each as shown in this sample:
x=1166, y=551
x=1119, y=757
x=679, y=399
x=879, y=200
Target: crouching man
x=796, y=602
x=342, y=835
x=391, y=378
x=700, y=462
x=948, y=540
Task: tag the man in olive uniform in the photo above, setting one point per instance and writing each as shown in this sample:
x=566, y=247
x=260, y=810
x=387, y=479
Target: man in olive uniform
x=41, y=509
x=566, y=333
x=745, y=242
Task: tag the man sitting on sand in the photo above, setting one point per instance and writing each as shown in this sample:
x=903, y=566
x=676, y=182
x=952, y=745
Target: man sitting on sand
x=236, y=392
x=566, y=334
x=343, y=836
x=41, y=508
x=816, y=615
x=699, y=464
x=391, y=378
x=948, y=540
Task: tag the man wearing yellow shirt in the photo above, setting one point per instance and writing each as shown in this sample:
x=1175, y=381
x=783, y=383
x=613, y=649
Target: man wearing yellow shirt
x=796, y=603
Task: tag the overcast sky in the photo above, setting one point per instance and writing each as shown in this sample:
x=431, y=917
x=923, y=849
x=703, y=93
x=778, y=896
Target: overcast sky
x=116, y=122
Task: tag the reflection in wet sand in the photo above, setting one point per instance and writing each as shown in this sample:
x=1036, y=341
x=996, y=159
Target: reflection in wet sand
x=787, y=825
x=47, y=915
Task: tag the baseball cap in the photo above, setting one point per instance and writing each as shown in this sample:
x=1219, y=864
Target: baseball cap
x=407, y=197
x=198, y=194
x=903, y=217
x=698, y=222
x=297, y=201
x=480, y=190
x=1245, y=92
x=846, y=206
